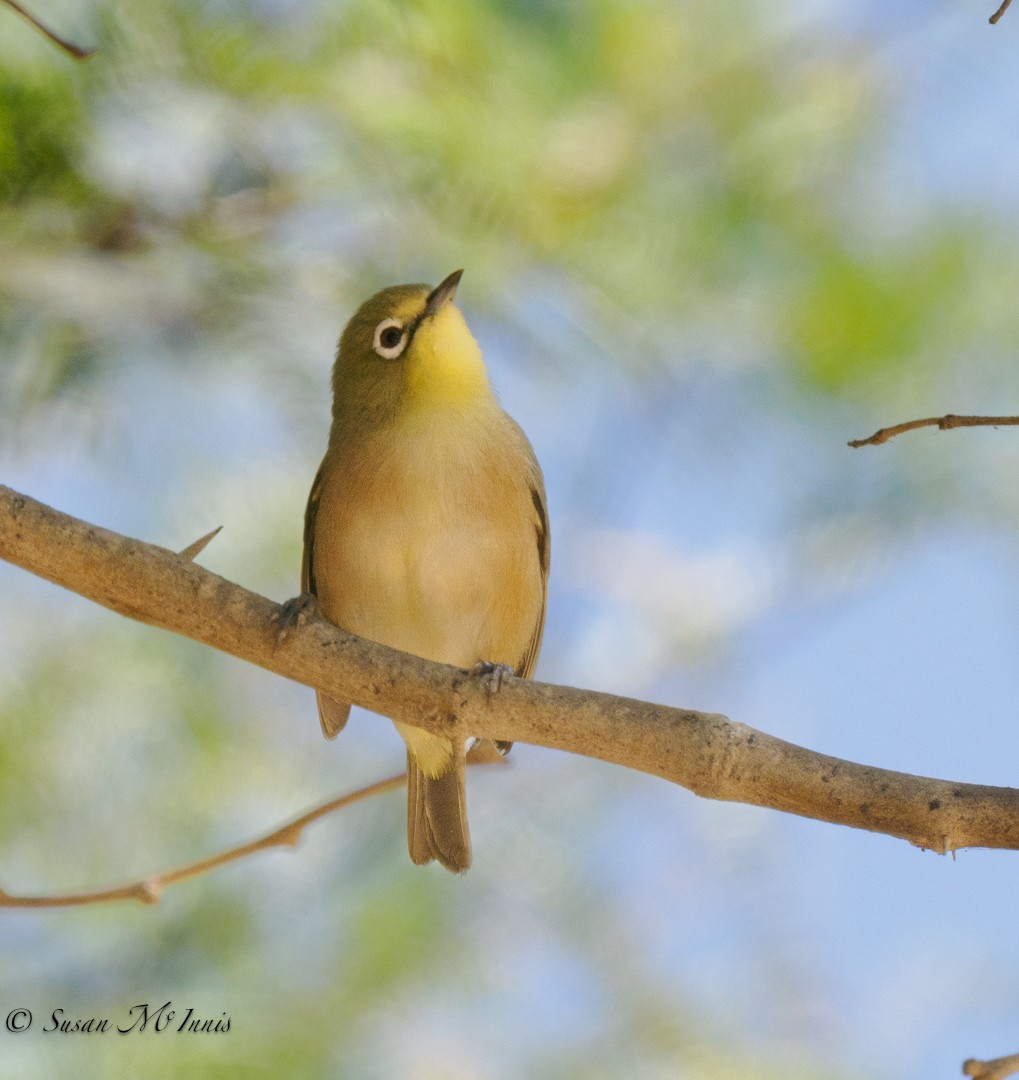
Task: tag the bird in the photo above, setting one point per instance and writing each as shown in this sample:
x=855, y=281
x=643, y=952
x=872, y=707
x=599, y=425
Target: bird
x=426, y=528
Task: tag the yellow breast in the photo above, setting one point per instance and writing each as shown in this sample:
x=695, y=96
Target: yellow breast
x=425, y=541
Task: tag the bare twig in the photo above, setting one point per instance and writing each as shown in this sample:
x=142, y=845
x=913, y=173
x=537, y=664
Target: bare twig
x=149, y=889
x=711, y=755
x=943, y=423
x=1001, y=11
x=997, y=1069
x=69, y=47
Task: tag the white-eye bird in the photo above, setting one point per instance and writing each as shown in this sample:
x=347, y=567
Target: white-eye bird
x=426, y=528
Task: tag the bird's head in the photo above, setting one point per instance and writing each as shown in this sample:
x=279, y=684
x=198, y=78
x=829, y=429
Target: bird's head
x=407, y=349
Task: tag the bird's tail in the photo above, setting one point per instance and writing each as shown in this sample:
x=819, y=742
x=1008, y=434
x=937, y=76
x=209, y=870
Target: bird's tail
x=437, y=815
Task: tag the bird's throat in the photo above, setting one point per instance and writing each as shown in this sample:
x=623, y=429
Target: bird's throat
x=444, y=365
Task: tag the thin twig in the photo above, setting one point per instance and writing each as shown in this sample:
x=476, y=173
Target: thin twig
x=943, y=423
x=1001, y=11
x=149, y=889
x=998, y=1068
x=77, y=51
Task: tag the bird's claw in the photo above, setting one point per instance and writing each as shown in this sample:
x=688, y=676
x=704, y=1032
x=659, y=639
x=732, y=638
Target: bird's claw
x=292, y=614
x=492, y=676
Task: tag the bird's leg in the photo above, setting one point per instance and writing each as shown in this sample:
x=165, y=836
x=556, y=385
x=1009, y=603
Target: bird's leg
x=294, y=613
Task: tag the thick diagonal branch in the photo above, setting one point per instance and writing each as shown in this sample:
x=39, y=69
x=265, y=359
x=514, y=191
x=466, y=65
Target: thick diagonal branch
x=705, y=752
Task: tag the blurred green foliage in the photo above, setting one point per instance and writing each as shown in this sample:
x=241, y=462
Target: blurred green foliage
x=666, y=165
x=39, y=133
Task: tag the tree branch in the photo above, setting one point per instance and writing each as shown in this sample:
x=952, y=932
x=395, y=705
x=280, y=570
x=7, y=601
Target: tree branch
x=943, y=423
x=75, y=51
x=149, y=889
x=997, y=1069
x=712, y=756
x=1001, y=11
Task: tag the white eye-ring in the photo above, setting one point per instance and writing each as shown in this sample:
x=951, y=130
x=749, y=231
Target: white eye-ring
x=390, y=339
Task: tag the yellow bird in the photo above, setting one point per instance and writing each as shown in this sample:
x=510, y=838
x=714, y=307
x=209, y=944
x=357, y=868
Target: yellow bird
x=426, y=527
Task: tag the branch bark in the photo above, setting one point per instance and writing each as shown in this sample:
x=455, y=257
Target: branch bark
x=707, y=753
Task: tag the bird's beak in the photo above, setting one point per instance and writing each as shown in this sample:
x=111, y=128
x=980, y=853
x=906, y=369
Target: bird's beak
x=441, y=295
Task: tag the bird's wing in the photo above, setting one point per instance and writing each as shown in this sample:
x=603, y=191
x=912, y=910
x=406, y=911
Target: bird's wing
x=530, y=658
x=310, y=515
x=525, y=666
x=332, y=714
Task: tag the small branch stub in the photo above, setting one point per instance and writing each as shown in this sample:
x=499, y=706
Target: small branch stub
x=996, y=1069
x=1001, y=11
x=192, y=551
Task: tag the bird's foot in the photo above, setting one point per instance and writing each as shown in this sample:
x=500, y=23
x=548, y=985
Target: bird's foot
x=491, y=676
x=292, y=614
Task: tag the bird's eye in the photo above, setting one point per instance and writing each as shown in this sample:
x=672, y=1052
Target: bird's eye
x=390, y=339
